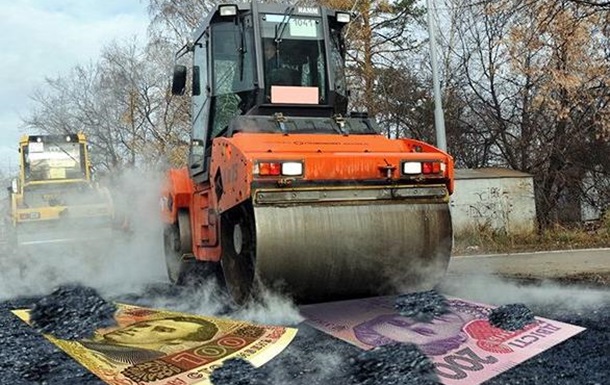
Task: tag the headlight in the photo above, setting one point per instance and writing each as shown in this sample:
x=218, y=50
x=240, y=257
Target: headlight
x=228, y=10
x=292, y=168
x=343, y=17
x=277, y=168
x=411, y=168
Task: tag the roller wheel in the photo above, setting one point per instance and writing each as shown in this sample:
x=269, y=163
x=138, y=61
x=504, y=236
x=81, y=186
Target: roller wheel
x=238, y=253
x=177, y=245
x=182, y=267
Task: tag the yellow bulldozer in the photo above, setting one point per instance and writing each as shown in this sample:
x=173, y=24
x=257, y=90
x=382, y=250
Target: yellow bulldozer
x=54, y=201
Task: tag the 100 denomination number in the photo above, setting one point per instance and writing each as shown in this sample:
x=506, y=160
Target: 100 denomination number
x=458, y=364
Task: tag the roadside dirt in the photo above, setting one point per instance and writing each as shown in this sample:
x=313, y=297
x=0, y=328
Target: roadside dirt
x=599, y=279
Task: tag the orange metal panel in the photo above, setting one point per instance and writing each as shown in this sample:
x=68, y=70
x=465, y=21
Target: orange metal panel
x=233, y=169
x=325, y=158
x=205, y=225
x=176, y=193
x=333, y=157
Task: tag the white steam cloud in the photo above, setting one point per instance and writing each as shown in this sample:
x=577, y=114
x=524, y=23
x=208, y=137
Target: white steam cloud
x=206, y=299
x=131, y=264
x=114, y=265
x=497, y=291
x=271, y=309
x=210, y=299
x=486, y=285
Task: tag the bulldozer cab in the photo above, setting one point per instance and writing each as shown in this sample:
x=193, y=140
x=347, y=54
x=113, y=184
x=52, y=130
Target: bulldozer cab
x=261, y=60
x=53, y=158
x=54, y=200
x=53, y=169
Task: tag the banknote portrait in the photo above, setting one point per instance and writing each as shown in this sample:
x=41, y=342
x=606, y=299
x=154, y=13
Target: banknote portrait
x=436, y=337
x=463, y=346
x=162, y=347
x=150, y=339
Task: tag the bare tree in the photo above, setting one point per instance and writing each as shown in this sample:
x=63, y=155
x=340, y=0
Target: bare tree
x=378, y=39
x=122, y=102
x=535, y=75
x=177, y=19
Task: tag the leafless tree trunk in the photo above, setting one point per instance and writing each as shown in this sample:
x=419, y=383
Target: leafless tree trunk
x=535, y=79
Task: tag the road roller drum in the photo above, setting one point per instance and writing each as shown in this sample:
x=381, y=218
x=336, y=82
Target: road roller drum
x=326, y=252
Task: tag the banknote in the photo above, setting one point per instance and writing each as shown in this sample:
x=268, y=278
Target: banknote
x=464, y=347
x=158, y=347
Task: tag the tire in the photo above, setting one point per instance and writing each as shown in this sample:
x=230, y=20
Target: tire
x=239, y=253
x=173, y=256
x=182, y=268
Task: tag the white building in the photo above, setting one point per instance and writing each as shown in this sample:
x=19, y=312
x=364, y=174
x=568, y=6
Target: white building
x=493, y=198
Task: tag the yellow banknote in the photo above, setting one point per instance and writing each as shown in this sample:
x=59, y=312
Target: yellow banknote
x=158, y=347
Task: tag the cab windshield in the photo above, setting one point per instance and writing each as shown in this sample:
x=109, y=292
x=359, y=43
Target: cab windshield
x=293, y=56
x=53, y=161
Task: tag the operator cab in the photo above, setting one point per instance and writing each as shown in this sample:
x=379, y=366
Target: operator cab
x=266, y=68
x=294, y=64
x=53, y=158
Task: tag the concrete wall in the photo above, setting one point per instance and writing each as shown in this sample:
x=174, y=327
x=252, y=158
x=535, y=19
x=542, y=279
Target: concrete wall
x=496, y=198
x=597, y=187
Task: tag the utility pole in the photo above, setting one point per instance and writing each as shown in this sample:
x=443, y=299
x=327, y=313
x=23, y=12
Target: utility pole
x=439, y=119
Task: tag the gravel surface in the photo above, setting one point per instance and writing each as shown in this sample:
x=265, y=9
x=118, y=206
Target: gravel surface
x=389, y=365
x=28, y=358
x=392, y=364
x=513, y=316
x=422, y=306
x=315, y=358
x=238, y=372
x=72, y=312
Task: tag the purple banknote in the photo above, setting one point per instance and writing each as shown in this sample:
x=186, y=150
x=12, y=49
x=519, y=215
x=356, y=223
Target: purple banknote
x=463, y=345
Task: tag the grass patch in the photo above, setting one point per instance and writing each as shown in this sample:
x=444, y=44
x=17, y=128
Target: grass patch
x=485, y=240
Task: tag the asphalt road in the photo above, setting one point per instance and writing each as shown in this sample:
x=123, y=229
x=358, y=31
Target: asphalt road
x=540, y=265
x=315, y=358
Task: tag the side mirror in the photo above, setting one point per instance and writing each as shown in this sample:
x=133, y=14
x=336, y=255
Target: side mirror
x=179, y=80
x=14, y=186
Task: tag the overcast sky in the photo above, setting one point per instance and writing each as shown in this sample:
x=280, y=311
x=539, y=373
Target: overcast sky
x=46, y=38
